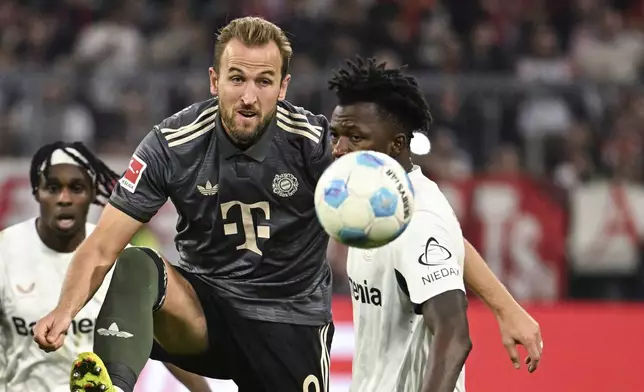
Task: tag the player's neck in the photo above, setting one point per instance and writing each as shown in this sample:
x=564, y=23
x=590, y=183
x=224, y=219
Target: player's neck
x=59, y=243
x=405, y=161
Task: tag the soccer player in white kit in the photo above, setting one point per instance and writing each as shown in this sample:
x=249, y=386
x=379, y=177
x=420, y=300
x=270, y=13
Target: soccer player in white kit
x=34, y=255
x=410, y=293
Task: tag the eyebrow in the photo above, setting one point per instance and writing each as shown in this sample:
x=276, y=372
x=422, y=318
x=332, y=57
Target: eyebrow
x=267, y=72
x=57, y=181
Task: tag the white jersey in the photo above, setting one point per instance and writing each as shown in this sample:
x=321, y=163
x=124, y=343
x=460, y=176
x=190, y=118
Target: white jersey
x=31, y=278
x=392, y=341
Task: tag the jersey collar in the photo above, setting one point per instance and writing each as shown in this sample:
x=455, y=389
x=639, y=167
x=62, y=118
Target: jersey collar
x=257, y=151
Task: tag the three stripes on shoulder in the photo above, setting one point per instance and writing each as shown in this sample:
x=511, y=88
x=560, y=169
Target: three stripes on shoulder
x=298, y=124
x=287, y=121
x=202, y=124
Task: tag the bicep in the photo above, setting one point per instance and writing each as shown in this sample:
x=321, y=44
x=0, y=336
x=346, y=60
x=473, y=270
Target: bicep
x=446, y=311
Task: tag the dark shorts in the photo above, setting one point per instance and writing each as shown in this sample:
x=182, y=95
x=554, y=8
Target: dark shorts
x=258, y=356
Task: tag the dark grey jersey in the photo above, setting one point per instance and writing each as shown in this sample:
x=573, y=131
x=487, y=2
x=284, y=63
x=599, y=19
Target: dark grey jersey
x=247, y=223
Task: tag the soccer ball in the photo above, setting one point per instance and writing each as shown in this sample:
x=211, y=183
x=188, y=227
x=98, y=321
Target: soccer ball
x=364, y=199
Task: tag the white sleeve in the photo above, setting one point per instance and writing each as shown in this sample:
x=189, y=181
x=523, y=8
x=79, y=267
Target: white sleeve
x=4, y=331
x=3, y=280
x=429, y=258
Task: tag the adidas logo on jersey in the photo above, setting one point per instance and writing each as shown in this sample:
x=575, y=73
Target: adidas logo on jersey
x=113, y=330
x=208, y=189
x=82, y=326
x=365, y=294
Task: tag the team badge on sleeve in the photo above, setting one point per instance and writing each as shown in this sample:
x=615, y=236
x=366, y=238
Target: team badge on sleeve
x=434, y=254
x=133, y=174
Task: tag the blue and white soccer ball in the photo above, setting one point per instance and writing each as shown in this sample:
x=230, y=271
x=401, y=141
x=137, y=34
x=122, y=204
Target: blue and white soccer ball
x=364, y=199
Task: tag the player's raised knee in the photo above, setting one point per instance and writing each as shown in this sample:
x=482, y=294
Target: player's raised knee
x=139, y=266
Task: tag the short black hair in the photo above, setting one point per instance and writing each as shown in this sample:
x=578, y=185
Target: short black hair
x=104, y=178
x=396, y=94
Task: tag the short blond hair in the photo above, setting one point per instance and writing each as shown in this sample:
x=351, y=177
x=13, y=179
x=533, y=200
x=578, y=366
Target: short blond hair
x=253, y=31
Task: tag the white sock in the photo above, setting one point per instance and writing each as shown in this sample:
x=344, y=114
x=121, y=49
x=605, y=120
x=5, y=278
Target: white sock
x=117, y=389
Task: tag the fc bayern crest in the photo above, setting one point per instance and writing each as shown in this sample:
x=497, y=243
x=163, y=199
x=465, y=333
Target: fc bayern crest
x=285, y=184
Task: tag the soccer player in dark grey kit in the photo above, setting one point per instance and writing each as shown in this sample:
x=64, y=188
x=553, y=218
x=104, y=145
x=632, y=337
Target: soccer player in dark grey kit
x=250, y=298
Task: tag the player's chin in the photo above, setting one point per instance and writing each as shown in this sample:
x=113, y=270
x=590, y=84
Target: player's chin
x=246, y=134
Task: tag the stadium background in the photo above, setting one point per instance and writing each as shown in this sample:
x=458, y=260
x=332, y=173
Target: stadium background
x=538, y=141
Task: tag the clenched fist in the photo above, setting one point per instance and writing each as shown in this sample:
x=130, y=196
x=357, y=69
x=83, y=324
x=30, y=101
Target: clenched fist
x=50, y=331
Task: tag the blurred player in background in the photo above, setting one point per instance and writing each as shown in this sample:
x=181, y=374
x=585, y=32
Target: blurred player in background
x=411, y=292
x=66, y=179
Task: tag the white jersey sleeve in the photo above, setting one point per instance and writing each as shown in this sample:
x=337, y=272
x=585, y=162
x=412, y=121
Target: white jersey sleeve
x=4, y=327
x=431, y=261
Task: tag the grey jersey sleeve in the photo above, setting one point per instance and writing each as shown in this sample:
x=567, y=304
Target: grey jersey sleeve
x=142, y=190
x=321, y=154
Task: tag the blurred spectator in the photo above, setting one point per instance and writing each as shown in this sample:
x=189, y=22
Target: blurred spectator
x=172, y=47
x=505, y=161
x=112, y=50
x=608, y=52
x=57, y=116
x=544, y=112
x=485, y=54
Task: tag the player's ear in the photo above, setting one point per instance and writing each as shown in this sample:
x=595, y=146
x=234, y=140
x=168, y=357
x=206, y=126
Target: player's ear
x=398, y=144
x=214, y=79
x=284, y=86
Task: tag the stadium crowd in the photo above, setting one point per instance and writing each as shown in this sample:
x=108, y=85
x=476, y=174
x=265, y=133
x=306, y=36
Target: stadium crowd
x=542, y=89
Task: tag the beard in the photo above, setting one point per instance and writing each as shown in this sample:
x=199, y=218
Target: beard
x=244, y=136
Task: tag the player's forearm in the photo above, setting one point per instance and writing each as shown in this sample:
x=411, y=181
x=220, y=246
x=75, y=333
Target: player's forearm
x=336, y=255
x=481, y=280
x=85, y=274
x=193, y=382
x=448, y=352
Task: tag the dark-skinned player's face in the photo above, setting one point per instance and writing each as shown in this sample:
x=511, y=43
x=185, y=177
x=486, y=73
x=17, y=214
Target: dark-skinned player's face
x=249, y=84
x=64, y=198
x=359, y=127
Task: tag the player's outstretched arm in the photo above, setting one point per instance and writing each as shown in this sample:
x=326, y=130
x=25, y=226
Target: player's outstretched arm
x=446, y=317
x=91, y=263
x=193, y=382
x=516, y=325
x=95, y=257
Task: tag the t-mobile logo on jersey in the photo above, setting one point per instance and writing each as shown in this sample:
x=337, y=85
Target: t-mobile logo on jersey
x=365, y=294
x=248, y=226
x=82, y=326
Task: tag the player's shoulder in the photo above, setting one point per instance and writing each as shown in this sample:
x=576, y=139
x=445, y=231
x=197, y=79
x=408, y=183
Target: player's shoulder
x=427, y=195
x=188, y=127
x=299, y=122
x=15, y=239
x=18, y=233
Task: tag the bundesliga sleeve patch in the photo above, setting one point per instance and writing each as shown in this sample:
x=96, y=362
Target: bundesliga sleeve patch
x=133, y=174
